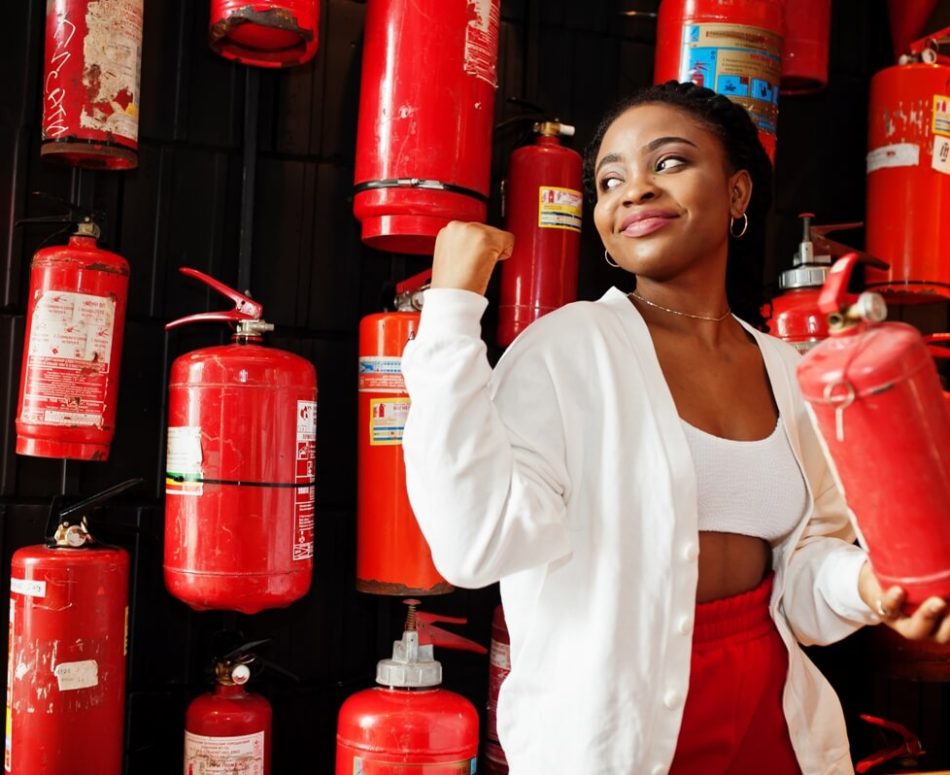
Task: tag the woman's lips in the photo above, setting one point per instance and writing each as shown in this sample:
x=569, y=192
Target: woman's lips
x=646, y=224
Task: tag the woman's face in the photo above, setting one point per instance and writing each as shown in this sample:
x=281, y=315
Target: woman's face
x=665, y=193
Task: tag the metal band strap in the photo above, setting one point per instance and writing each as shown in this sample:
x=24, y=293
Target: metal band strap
x=430, y=185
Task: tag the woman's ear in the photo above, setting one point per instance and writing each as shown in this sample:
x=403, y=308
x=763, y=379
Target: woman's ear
x=740, y=188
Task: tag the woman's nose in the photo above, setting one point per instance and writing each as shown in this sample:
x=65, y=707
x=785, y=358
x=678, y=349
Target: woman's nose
x=639, y=188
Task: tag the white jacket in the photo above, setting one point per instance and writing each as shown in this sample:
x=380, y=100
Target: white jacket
x=565, y=474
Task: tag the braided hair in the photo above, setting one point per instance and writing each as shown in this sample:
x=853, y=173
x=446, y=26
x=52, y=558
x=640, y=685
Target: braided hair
x=730, y=122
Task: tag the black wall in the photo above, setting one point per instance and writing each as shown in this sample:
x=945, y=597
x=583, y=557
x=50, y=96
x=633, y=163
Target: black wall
x=205, y=124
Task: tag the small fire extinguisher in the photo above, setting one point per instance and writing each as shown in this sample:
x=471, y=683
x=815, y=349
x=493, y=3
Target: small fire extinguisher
x=408, y=724
x=265, y=33
x=239, y=480
x=543, y=203
x=229, y=729
x=875, y=396
x=392, y=556
x=69, y=379
x=67, y=649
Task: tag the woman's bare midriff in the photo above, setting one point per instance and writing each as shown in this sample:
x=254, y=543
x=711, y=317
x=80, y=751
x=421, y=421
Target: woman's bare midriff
x=730, y=564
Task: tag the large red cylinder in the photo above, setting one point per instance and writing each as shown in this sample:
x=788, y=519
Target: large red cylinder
x=239, y=486
x=543, y=203
x=805, y=48
x=91, y=71
x=392, y=556
x=908, y=191
x=424, y=140
x=733, y=47
x=496, y=763
x=228, y=730
x=265, y=33
x=66, y=670
x=69, y=380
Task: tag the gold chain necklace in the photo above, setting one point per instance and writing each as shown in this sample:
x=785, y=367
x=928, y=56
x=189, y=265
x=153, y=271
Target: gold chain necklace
x=719, y=319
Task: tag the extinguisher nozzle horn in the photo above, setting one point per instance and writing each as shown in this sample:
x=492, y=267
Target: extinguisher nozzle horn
x=246, y=311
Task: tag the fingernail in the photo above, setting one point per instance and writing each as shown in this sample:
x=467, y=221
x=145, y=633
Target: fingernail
x=936, y=608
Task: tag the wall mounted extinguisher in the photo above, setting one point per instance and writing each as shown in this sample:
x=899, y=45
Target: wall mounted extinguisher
x=229, y=729
x=499, y=665
x=543, y=204
x=265, y=33
x=423, y=146
x=877, y=402
x=66, y=664
x=805, y=47
x=392, y=556
x=407, y=724
x=69, y=380
x=239, y=480
x=908, y=167
x=91, y=70
x=733, y=48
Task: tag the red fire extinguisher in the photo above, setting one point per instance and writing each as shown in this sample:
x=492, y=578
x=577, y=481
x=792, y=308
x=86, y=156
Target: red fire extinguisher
x=239, y=480
x=543, y=203
x=876, y=398
x=908, y=167
x=69, y=380
x=408, y=724
x=423, y=146
x=805, y=48
x=67, y=648
x=499, y=665
x=229, y=729
x=392, y=556
x=733, y=48
x=265, y=33
x=91, y=73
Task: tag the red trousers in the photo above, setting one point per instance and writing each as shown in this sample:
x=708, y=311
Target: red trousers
x=733, y=720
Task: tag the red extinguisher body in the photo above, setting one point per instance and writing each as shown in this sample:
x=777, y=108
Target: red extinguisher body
x=423, y=155
x=91, y=73
x=797, y=319
x=266, y=33
x=66, y=670
x=499, y=666
x=228, y=730
x=805, y=48
x=392, y=556
x=543, y=202
x=733, y=48
x=69, y=380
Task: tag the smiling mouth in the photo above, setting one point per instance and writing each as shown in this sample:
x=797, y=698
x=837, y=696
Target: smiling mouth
x=643, y=226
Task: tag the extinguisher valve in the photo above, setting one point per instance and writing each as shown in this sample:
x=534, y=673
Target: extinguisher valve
x=240, y=674
x=72, y=536
x=252, y=327
x=553, y=129
x=412, y=665
x=88, y=228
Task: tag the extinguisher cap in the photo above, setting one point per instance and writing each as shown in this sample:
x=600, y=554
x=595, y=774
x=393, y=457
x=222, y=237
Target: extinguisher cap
x=412, y=665
x=809, y=276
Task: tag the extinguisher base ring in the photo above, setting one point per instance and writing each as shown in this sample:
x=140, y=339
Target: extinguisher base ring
x=90, y=154
x=72, y=450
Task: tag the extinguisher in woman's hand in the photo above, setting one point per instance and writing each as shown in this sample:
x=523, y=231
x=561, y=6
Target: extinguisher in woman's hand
x=239, y=481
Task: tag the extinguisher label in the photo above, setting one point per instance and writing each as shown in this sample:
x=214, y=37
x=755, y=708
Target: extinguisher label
x=559, y=208
x=77, y=675
x=238, y=755
x=305, y=473
x=941, y=155
x=183, y=475
x=941, y=122
x=387, y=418
x=381, y=374
x=67, y=372
x=28, y=587
x=481, y=41
x=363, y=766
x=894, y=155
x=738, y=61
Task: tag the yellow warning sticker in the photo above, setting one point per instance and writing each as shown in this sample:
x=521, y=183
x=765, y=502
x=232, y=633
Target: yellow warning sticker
x=941, y=119
x=387, y=418
x=559, y=208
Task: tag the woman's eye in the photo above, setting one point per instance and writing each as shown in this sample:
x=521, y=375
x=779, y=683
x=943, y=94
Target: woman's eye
x=608, y=184
x=669, y=163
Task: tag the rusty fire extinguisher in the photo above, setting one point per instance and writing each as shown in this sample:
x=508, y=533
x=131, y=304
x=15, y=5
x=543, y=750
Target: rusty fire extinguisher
x=877, y=402
x=265, y=33
x=543, y=204
x=733, y=48
x=229, y=729
x=408, y=724
x=908, y=168
x=67, y=649
x=69, y=380
x=423, y=155
x=239, y=480
x=92, y=67
x=392, y=556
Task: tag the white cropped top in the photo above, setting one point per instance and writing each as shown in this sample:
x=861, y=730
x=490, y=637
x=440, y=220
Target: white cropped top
x=753, y=488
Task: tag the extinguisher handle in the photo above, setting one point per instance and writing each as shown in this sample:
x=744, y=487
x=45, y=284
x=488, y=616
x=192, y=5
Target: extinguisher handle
x=429, y=633
x=933, y=41
x=834, y=295
x=413, y=283
x=909, y=746
x=245, y=308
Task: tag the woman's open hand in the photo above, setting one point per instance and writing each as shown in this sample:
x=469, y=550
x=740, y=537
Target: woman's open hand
x=466, y=254
x=930, y=620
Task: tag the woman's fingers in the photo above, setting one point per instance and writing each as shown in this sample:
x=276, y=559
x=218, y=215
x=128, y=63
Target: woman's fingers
x=466, y=253
x=926, y=621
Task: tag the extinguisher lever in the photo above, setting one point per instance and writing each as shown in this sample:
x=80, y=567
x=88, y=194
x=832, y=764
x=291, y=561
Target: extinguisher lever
x=909, y=746
x=413, y=283
x=245, y=308
x=430, y=633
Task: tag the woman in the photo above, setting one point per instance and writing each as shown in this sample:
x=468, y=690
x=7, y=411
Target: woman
x=640, y=474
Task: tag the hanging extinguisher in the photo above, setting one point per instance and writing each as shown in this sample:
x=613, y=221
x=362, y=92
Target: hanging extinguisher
x=733, y=48
x=392, y=556
x=408, y=724
x=229, y=729
x=543, y=204
x=805, y=46
x=265, y=33
x=499, y=665
x=67, y=648
x=877, y=402
x=92, y=66
x=908, y=168
x=424, y=139
x=239, y=479
x=69, y=380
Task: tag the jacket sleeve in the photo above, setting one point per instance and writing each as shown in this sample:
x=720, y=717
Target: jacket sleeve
x=484, y=454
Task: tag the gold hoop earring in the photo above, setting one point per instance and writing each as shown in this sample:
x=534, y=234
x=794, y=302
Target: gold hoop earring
x=742, y=231
x=610, y=261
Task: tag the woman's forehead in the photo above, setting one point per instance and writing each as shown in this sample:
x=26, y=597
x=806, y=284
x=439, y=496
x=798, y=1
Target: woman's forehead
x=642, y=123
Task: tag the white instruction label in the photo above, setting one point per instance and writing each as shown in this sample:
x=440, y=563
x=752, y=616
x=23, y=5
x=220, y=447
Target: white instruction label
x=183, y=461
x=896, y=155
x=77, y=675
x=941, y=155
x=28, y=587
x=239, y=755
